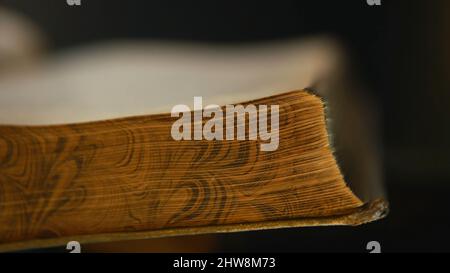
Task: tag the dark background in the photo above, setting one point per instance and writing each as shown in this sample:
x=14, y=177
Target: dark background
x=400, y=49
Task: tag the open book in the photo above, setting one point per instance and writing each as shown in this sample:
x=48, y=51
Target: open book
x=88, y=152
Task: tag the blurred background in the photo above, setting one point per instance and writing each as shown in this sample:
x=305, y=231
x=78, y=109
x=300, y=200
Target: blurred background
x=400, y=50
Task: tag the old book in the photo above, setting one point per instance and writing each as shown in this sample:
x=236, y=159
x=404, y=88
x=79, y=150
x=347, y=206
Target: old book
x=82, y=159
